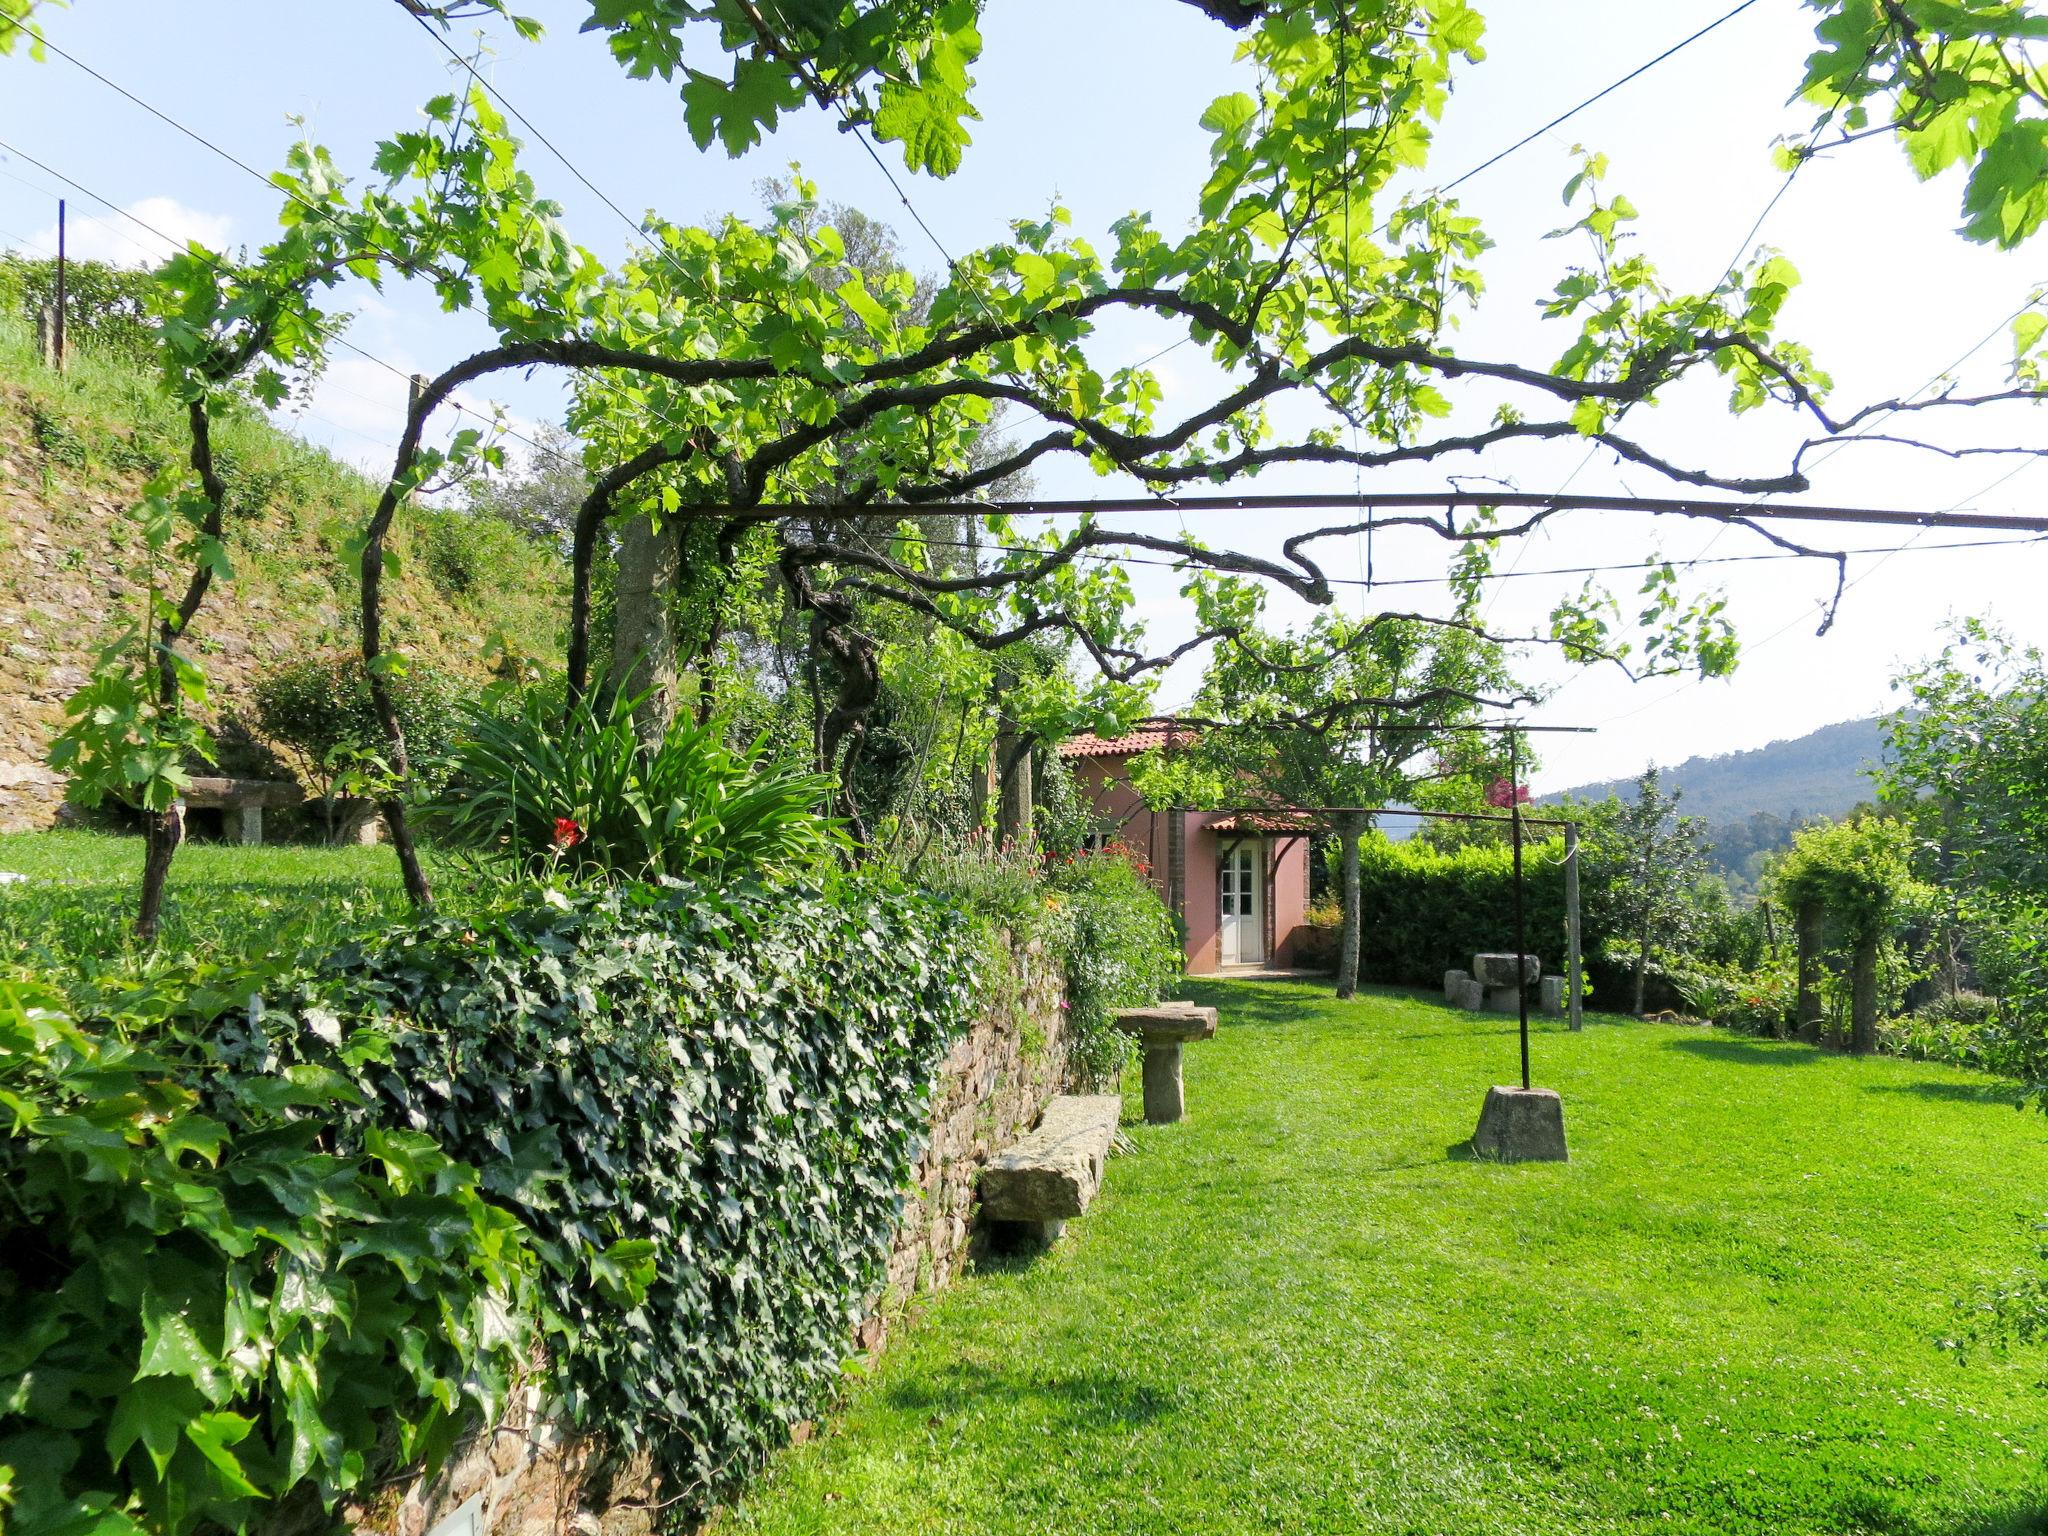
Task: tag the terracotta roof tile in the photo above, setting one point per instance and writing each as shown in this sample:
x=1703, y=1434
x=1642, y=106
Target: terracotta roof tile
x=1144, y=739
x=1254, y=821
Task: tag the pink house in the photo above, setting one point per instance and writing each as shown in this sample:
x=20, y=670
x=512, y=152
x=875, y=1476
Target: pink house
x=1237, y=880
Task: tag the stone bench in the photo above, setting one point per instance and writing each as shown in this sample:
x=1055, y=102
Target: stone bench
x=1035, y=1186
x=248, y=797
x=1163, y=1029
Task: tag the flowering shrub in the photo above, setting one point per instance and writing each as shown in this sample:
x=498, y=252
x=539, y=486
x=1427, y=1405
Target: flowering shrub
x=1756, y=1002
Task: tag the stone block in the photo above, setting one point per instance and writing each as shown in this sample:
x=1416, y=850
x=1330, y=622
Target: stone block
x=1052, y=1174
x=1506, y=999
x=1470, y=995
x=1500, y=971
x=1452, y=981
x=1168, y=1021
x=1521, y=1125
x=1553, y=996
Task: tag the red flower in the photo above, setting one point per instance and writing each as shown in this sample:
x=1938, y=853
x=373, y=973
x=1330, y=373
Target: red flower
x=568, y=832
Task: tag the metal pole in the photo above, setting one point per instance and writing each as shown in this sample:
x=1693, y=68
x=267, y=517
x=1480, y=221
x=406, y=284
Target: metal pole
x=60, y=285
x=1521, y=916
x=1573, y=979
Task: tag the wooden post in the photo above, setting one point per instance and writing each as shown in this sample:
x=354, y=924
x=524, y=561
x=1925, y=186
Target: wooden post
x=1521, y=918
x=59, y=328
x=1573, y=969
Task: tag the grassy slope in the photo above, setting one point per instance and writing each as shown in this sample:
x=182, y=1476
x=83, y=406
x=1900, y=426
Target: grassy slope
x=74, y=451
x=72, y=915
x=1303, y=1310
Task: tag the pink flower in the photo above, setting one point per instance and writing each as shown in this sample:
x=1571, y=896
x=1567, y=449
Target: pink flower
x=1502, y=794
x=568, y=832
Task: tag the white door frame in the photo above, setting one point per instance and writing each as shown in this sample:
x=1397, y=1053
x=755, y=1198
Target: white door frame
x=1241, y=903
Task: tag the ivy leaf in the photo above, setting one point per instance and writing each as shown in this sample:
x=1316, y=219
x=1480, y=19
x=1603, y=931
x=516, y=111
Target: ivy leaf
x=154, y=1411
x=212, y=1434
x=171, y=1347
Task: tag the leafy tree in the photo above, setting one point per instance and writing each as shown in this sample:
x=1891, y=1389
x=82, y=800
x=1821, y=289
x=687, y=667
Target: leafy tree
x=1648, y=861
x=1968, y=767
x=1856, y=876
x=722, y=383
x=541, y=496
x=1333, y=720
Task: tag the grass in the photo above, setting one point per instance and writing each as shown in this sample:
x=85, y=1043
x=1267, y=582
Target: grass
x=1306, y=1308
x=71, y=917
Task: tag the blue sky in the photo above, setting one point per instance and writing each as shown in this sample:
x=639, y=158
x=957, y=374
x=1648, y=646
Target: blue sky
x=1094, y=104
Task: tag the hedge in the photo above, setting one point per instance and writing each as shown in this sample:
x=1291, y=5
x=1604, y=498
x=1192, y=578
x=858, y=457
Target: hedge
x=663, y=1131
x=1424, y=912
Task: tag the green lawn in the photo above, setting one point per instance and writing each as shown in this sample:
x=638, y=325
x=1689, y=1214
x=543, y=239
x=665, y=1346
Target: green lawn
x=1305, y=1310
x=73, y=913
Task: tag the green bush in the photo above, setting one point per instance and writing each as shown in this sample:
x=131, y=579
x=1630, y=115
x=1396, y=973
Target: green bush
x=319, y=713
x=106, y=308
x=1121, y=950
x=695, y=1112
x=1426, y=911
x=207, y=1300
x=1754, y=1002
x=585, y=795
x=1093, y=912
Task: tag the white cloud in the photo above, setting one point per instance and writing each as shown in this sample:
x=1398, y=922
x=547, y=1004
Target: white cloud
x=125, y=243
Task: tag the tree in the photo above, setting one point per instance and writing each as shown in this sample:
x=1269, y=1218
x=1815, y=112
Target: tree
x=1653, y=859
x=724, y=385
x=541, y=496
x=1967, y=766
x=1855, y=877
x=1332, y=721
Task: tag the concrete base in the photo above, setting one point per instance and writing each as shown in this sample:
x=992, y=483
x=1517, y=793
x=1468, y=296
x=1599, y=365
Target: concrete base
x=1521, y=1125
x=1504, y=1000
x=1165, y=1102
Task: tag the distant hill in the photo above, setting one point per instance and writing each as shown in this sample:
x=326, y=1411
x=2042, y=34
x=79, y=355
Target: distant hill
x=1821, y=774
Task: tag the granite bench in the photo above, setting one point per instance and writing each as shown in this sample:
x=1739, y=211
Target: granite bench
x=1034, y=1187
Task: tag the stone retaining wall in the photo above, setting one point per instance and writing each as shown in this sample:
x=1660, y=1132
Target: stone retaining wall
x=528, y=1477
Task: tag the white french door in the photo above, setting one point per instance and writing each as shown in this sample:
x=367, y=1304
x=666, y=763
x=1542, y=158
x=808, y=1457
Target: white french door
x=1241, y=905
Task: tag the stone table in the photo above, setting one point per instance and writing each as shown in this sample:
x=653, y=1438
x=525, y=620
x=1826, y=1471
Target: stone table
x=1499, y=975
x=1163, y=1029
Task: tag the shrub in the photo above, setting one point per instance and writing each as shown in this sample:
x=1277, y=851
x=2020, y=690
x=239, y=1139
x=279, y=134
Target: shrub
x=1122, y=950
x=1426, y=912
x=106, y=308
x=205, y=1305
x=318, y=711
x=1094, y=912
x=695, y=1111
x=583, y=794
x=1755, y=1002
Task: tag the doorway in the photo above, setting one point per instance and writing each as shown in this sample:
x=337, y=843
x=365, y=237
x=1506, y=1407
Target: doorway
x=1240, y=904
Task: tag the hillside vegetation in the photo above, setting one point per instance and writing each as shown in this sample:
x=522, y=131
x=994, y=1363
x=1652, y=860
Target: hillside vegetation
x=1823, y=773
x=75, y=450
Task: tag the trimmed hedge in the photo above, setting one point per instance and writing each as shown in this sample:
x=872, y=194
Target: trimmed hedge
x=683, y=1120
x=1424, y=912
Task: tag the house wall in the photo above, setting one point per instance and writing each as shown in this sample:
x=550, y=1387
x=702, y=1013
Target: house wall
x=1104, y=784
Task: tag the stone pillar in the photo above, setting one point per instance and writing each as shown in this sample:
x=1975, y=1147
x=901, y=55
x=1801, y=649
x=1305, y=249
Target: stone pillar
x=1165, y=1100
x=1162, y=1030
x=252, y=824
x=1521, y=1125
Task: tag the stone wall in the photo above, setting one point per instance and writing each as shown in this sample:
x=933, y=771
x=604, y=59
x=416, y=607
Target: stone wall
x=527, y=1477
